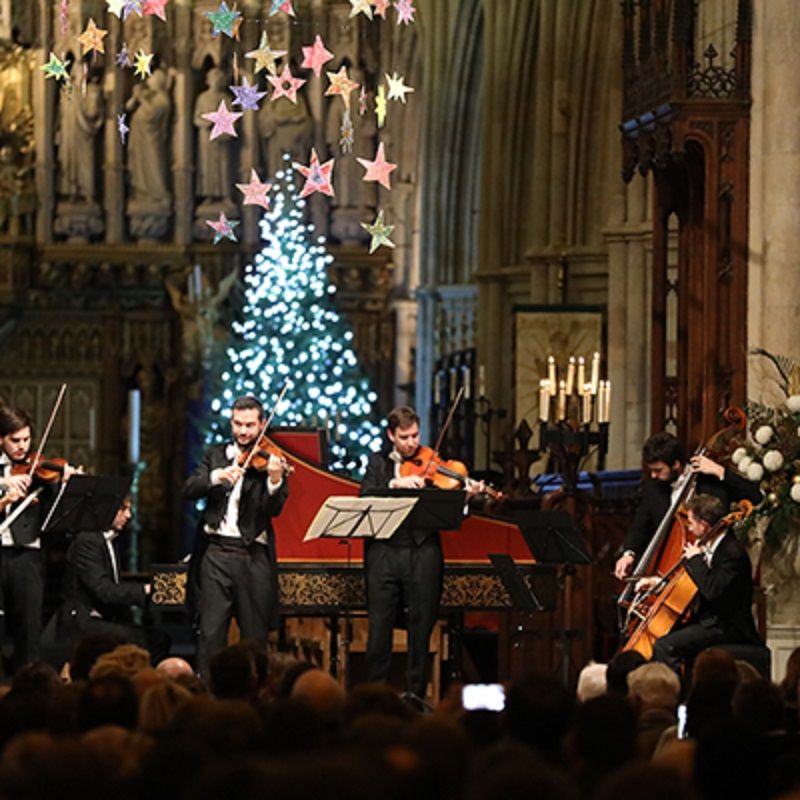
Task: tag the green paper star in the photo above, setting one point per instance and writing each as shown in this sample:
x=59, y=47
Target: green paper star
x=224, y=20
x=380, y=233
x=55, y=68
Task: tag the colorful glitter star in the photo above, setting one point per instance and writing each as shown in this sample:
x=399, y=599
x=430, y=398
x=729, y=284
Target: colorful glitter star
x=315, y=56
x=380, y=7
x=265, y=57
x=379, y=169
x=380, y=106
x=247, y=96
x=115, y=7
x=380, y=233
x=55, y=68
x=132, y=7
x=318, y=176
x=282, y=5
x=224, y=20
x=123, y=57
x=223, y=228
x=286, y=85
x=341, y=85
x=92, y=38
x=142, y=62
x=405, y=11
x=362, y=102
x=223, y=120
x=255, y=192
x=122, y=128
x=397, y=89
x=155, y=8
x=360, y=7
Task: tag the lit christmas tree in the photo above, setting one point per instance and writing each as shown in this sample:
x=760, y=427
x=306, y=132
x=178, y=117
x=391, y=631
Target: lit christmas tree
x=290, y=333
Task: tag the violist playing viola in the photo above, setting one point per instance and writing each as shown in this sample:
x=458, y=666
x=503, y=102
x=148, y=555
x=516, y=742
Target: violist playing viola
x=408, y=567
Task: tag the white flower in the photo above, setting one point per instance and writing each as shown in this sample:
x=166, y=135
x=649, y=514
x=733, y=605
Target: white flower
x=744, y=463
x=755, y=472
x=738, y=454
x=764, y=434
x=793, y=403
x=773, y=460
x=794, y=492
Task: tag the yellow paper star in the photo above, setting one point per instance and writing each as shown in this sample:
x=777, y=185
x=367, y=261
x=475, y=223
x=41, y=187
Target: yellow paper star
x=265, y=57
x=397, y=89
x=92, y=38
x=142, y=62
x=361, y=7
x=341, y=85
x=115, y=7
x=380, y=106
x=380, y=233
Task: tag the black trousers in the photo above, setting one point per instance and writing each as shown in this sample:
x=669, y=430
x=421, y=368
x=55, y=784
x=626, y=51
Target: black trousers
x=22, y=590
x=235, y=580
x=685, y=643
x=396, y=575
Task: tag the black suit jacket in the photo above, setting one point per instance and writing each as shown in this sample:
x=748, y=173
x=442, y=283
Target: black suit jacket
x=655, y=503
x=725, y=588
x=27, y=527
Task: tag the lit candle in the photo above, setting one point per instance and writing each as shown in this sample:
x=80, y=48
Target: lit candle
x=467, y=376
x=551, y=373
x=481, y=381
x=602, y=401
x=608, y=401
x=453, y=382
x=587, y=404
x=134, y=424
x=544, y=400
x=581, y=375
x=570, y=375
x=595, y=372
x=561, y=414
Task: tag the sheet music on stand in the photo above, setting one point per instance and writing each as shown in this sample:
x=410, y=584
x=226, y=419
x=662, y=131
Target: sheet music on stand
x=359, y=517
x=86, y=503
x=436, y=509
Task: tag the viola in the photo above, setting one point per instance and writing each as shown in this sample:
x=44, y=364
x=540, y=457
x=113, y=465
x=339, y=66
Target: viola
x=436, y=471
x=258, y=456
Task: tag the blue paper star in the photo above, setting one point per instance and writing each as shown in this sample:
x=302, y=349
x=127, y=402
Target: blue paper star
x=123, y=56
x=247, y=96
x=122, y=127
x=130, y=7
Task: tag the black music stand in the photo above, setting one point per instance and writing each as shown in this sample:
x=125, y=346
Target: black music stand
x=522, y=594
x=87, y=503
x=435, y=509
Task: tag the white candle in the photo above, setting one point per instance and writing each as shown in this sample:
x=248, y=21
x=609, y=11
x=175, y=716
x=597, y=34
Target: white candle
x=603, y=401
x=453, y=382
x=570, y=375
x=562, y=401
x=595, y=372
x=544, y=400
x=581, y=374
x=587, y=403
x=608, y=401
x=467, y=376
x=134, y=424
x=551, y=373
x=481, y=381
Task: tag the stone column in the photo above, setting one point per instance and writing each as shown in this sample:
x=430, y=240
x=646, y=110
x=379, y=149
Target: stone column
x=114, y=166
x=183, y=130
x=44, y=91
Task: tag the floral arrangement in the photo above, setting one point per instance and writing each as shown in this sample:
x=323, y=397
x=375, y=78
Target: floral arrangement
x=771, y=456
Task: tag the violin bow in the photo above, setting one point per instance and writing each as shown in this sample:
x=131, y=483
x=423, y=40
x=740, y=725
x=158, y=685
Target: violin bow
x=447, y=422
x=50, y=422
x=265, y=427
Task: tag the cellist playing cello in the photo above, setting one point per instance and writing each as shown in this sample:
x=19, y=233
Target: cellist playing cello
x=666, y=466
x=720, y=568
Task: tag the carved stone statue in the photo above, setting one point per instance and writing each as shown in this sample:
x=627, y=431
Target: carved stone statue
x=213, y=157
x=285, y=127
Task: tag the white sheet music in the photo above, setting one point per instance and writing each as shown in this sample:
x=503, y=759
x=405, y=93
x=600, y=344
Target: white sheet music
x=360, y=517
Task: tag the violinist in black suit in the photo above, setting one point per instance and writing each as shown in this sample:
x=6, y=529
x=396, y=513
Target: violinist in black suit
x=234, y=561
x=96, y=599
x=405, y=570
x=665, y=462
x=720, y=568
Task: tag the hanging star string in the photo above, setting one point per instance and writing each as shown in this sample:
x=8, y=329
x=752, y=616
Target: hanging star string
x=264, y=56
x=55, y=68
x=360, y=7
x=380, y=233
x=318, y=176
x=341, y=85
x=223, y=228
x=142, y=63
x=405, y=11
x=122, y=128
x=379, y=169
x=247, y=96
x=397, y=89
x=224, y=20
x=223, y=120
x=380, y=106
x=255, y=192
x=315, y=56
x=286, y=85
x=92, y=38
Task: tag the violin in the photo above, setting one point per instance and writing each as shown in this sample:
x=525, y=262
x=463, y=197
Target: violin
x=444, y=474
x=45, y=470
x=258, y=456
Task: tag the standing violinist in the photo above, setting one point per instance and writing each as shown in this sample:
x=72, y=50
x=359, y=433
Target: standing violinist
x=21, y=560
x=234, y=561
x=405, y=569
x=665, y=464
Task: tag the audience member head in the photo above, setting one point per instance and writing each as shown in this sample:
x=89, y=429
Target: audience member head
x=159, y=705
x=232, y=673
x=86, y=652
x=108, y=700
x=646, y=782
x=654, y=686
x=35, y=678
x=791, y=679
x=119, y=746
x=591, y=682
x=220, y=727
x=124, y=660
x=321, y=691
x=619, y=667
x=290, y=675
x=258, y=652
x=758, y=707
x=173, y=666
x=374, y=699
x=291, y=727
x=146, y=678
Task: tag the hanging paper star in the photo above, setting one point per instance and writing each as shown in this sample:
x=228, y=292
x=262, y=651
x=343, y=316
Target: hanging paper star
x=397, y=89
x=405, y=11
x=223, y=121
x=380, y=7
x=123, y=58
x=315, y=56
x=281, y=5
x=380, y=106
x=360, y=7
x=318, y=176
x=122, y=127
x=286, y=85
x=380, y=233
x=247, y=96
x=346, y=133
x=131, y=7
x=155, y=8
x=379, y=169
x=362, y=102
x=55, y=68
x=142, y=62
x=255, y=192
x=224, y=20
x=223, y=228
x=265, y=57
x=92, y=38
x=115, y=7
x=341, y=85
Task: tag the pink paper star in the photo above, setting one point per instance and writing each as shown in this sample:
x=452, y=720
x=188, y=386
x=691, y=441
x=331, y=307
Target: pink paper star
x=405, y=11
x=318, y=176
x=223, y=228
x=155, y=8
x=223, y=121
x=286, y=85
x=380, y=7
x=315, y=56
x=341, y=85
x=255, y=192
x=379, y=169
